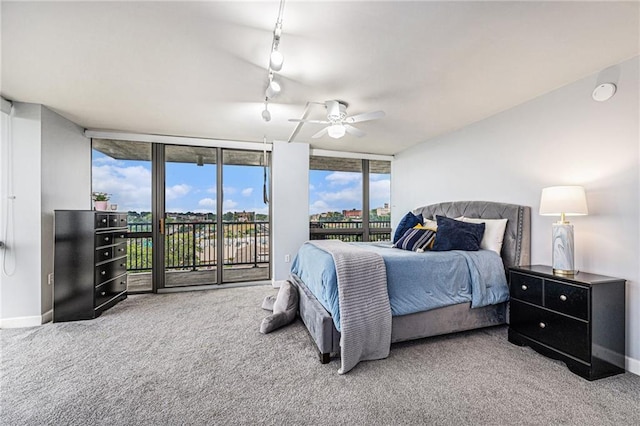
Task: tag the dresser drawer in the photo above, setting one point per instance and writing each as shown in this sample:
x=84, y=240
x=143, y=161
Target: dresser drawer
x=567, y=299
x=120, y=250
x=117, y=220
x=557, y=331
x=108, y=290
x=103, y=254
x=102, y=220
x=106, y=271
x=526, y=287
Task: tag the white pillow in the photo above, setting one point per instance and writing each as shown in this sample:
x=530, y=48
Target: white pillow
x=431, y=224
x=493, y=232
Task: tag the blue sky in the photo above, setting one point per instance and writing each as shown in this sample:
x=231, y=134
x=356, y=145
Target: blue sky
x=193, y=188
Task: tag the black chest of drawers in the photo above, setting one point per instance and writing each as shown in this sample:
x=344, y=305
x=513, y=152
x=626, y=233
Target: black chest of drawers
x=579, y=319
x=90, y=263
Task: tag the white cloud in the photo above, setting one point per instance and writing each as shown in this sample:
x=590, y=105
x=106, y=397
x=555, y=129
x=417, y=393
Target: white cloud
x=343, y=178
x=229, y=190
x=207, y=202
x=312, y=187
x=319, y=206
x=247, y=192
x=229, y=205
x=177, y=191
x=380, y=192
x=129, y=187
x=352, y=194
x=212, y=190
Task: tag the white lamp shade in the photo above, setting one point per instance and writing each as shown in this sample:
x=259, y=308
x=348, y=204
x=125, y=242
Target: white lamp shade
x=336, y=131
x=570, y=200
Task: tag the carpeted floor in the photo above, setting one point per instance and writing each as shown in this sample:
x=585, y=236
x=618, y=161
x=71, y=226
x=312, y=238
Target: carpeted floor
x=198, y=358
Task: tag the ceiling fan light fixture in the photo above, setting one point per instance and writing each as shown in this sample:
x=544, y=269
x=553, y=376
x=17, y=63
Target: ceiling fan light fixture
x=276, y=60
x=336, y=131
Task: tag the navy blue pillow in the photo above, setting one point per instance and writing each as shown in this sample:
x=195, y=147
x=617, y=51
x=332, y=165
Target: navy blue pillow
x=408, y=221
x=456, y=235
x=416, y=240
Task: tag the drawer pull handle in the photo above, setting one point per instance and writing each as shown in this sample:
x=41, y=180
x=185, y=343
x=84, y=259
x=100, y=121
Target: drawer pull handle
x=102, y=293
x=106, y=253
x=104, y=220
x=106, y=238
x=524, y=287
x=542, y=325
x=563, y=297
x=103, y=272
x=122, y=264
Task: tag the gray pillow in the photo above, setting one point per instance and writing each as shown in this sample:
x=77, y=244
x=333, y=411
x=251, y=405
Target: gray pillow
x=284, y=309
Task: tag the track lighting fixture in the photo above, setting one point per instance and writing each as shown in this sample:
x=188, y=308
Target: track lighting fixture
x=273, y=88
x=276, y=59
x=266, y=115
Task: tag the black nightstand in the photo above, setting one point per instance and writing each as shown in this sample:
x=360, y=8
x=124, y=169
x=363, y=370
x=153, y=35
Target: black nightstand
x=578, y=319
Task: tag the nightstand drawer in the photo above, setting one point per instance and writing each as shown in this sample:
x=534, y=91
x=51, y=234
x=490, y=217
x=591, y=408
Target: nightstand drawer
x=557, y=331
x=567, y=299
x=526, y=287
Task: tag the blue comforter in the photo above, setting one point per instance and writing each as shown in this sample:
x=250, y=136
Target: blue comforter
x=415, y=281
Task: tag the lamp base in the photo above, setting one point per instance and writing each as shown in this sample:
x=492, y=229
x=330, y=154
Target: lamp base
x=563, y=249
x=563, y=272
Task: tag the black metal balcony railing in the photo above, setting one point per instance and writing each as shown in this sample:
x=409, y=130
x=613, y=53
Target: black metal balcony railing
x=350, y=231
x=193, y=245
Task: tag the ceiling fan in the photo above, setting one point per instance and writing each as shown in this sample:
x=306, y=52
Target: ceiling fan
x=338, y=122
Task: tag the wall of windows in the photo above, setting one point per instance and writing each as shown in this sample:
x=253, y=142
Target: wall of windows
x=349, y=199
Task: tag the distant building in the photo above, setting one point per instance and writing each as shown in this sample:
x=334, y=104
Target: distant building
x=383, y=211
x=352, y=214
x=245, y=216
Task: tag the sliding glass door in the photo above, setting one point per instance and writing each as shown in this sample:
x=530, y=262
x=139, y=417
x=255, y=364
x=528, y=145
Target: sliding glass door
x=189, y=224
x=205, y=220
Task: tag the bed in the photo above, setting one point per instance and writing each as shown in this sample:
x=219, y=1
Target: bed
x=434, y=321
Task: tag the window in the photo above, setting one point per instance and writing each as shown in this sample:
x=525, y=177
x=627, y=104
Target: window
x=349, y=199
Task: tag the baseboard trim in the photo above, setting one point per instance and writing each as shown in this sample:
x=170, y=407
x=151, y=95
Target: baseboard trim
x=47, y=316
x=20, y=322
x=633, y=365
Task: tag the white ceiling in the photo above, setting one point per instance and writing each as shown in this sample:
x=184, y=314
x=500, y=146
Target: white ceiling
x=199, y=68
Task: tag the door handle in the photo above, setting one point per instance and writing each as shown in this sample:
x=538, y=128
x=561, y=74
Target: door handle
x=162, y=226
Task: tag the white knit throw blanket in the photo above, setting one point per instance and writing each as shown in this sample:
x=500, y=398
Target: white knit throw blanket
x=365, y=313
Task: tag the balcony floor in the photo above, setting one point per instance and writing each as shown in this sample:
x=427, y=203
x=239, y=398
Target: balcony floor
x=141, y=281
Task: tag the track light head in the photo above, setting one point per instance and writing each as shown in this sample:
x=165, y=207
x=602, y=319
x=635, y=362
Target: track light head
x=276, y=60
x=266, y=115
x=273, y=89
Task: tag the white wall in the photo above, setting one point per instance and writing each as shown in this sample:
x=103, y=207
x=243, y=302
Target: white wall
x=289, y=204
x=20, y=292
x=51, y=165
x=563, y=137
x=66, y=183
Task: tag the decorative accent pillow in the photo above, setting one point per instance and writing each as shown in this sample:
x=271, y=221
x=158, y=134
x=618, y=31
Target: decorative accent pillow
x=284, y=308
x=430, y=224
x=493, y=232
x=416, y=240
x=457, y=235
x=407, y=222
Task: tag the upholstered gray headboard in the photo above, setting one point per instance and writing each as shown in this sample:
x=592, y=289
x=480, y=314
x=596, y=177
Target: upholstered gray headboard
x=516, y=247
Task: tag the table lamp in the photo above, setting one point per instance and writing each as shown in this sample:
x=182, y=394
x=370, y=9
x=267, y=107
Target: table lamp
x=563, y=201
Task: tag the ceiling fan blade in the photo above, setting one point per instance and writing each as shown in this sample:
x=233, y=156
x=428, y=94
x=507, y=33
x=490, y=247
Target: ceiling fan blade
x=297, y=120
x=320, y=134
x=365, y=117
x=353, y=131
